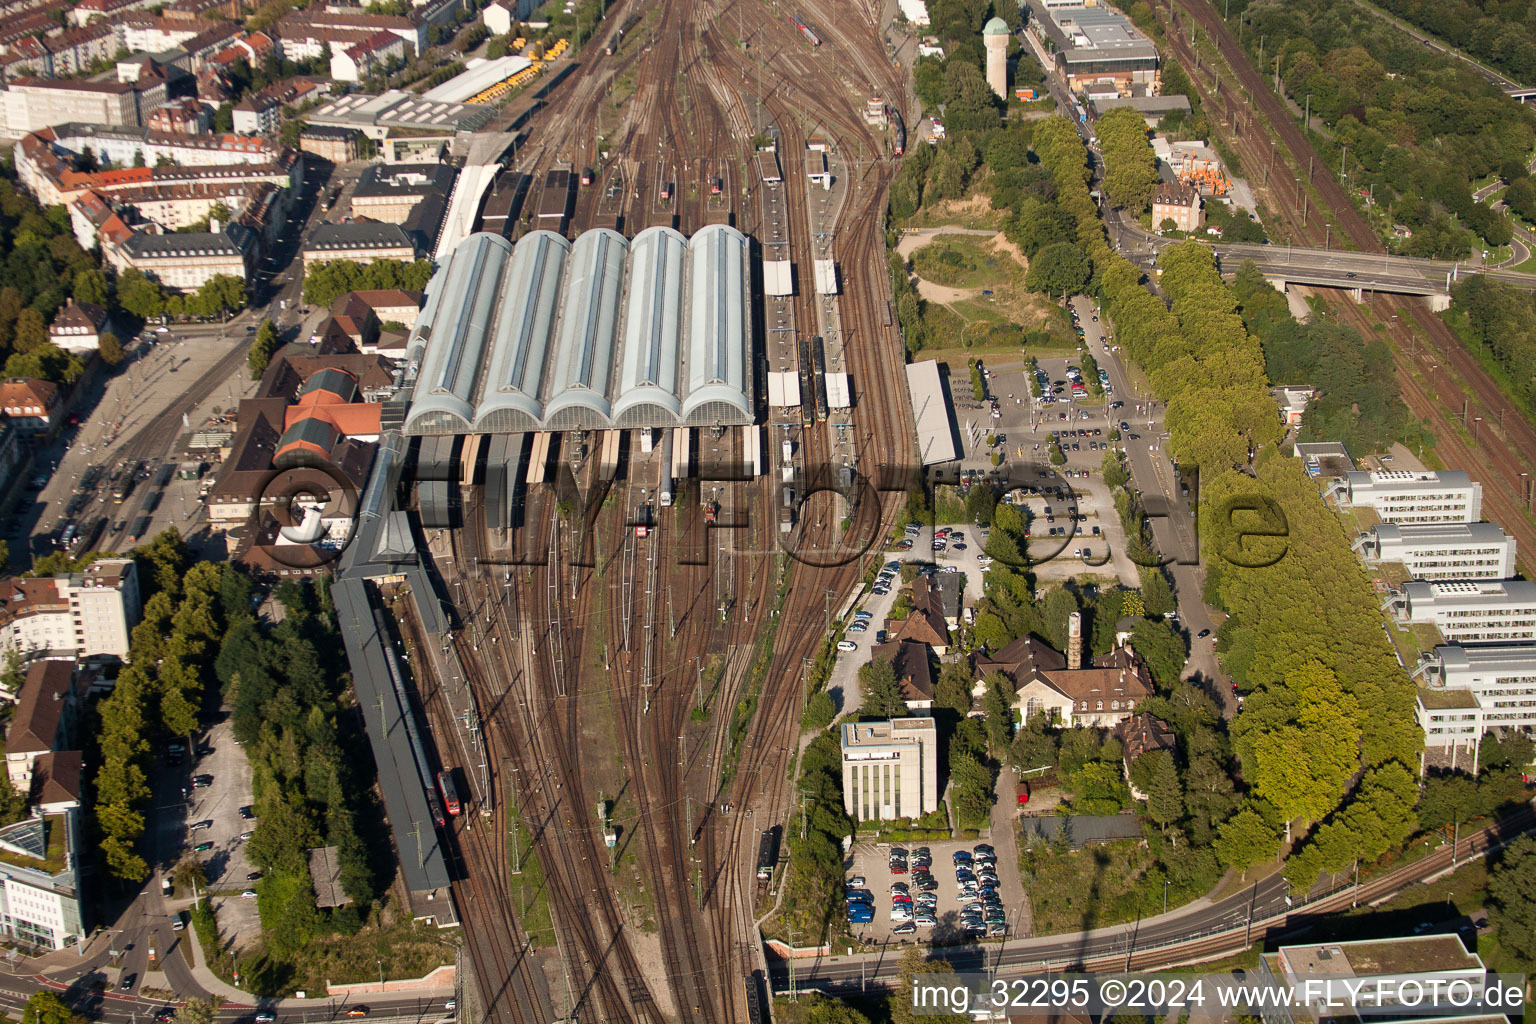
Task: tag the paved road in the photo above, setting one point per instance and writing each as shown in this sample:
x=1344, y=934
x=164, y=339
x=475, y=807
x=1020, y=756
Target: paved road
x=1265, y=907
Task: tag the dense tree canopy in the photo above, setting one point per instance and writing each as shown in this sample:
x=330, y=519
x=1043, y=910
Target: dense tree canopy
x=324, y=281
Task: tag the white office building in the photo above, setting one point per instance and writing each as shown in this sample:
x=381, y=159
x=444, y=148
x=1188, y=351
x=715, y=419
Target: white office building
x=1469, y=611
x=890, y=769
x=1465, y=691
x=39, y=882
x=1441, y=551
x=1398, y=496
x=87, y=614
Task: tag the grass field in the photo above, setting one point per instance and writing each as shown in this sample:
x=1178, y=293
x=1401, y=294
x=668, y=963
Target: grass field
x=962, y=261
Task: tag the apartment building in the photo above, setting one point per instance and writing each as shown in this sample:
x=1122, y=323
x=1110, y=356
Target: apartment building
x=388, y=193
x=378, y=51
x=44, y=721
x=187, y=260
x=360, y=243
x=87, y=614
x=1403, y=496
x=1441, y=551
x=78, y=327
x=181, y=117
x=30, y=404
x=1465, y=691
x=1179, y=204
x=890, y=769
x=1469, y=611
x=500, y=15
x=32, y=104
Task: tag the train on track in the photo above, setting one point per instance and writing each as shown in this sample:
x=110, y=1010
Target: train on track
x=805, y=30
x=768, y=853
x=617, y=39
x=449, y=787
x=819, y=376
x=807, y=386
x=898, y=130
x=755, y=999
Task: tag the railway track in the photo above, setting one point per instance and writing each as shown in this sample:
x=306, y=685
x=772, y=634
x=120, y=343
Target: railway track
x=1505, y=457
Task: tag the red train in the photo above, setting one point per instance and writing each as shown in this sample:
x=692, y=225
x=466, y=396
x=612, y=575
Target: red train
x=450, y=790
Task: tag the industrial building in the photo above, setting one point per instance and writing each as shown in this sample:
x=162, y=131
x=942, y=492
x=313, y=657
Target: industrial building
x=1400, y=496
x=1465, y=691
x=1469, y=612
x=1441, y=551
x=1095, y=45
x=599, y=333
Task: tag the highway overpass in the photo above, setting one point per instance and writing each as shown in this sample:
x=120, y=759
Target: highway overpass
x=1359, y=272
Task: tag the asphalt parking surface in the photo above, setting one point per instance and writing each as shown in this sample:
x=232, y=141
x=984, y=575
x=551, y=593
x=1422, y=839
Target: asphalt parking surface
x=871, y=861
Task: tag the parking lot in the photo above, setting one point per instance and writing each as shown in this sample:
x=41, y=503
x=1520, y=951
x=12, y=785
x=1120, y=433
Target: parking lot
x=220, y=802
x=938, y=915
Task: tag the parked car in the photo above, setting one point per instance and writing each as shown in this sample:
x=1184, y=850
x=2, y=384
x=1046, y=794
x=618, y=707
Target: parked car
x=847, y=645
x=202, y=847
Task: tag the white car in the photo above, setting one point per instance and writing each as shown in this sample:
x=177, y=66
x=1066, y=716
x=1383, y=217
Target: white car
x=983, y=559
x=847, y=645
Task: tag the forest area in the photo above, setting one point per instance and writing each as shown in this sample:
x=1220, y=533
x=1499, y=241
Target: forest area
x=1410, y=130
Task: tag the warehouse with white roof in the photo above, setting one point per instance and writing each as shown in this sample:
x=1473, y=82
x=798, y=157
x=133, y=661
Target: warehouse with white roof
x=597, y=334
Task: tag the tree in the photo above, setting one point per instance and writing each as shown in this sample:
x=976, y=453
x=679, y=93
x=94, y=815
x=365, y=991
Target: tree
x=1061, y=269
x=30, y=332
x=997, y=704
x=45, y=1007
x=1512, y=897
x=221, y=293
x=91, y=286
x=262, y=348
x=903, y=1007
x=110, y=348
x=1156, y=594
x=952, y=690
x=1034, y=747
x=140, y=295
x=1244, y=840
x=1157, y=777
x=880, y=691
x=197, y=1011
x=1162, y=648
x=819, y=712
x=971, y=788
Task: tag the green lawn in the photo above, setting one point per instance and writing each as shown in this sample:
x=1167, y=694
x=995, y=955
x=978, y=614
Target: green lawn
x=962, y=261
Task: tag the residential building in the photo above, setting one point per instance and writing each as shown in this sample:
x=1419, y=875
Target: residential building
x=389, y=193
x=1324, y=460
x=890, y=769
x=181, y=117
x=1070, y=689
x=1323, y=975
x=44, y=720
x=32, y=104
x=914, y=673
x=1469, y=612
x=1441, y=551
x=358, y=242
x=1142, y=734
x=83, y=12
x=1465, y=691
x=1405, y=496
x=32, y=405
x=338, y=145
x=12, y=453
x=261, y=112
x=1292, y=399
x=78, y=326
x=1178, y=203
x=924, y=625
x=389, y=305
x=378, y=51
x=188, y=260
x=500, y=15
x=1095, y=45
x=86, y=615
x=56, y=781
x=40, y=905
